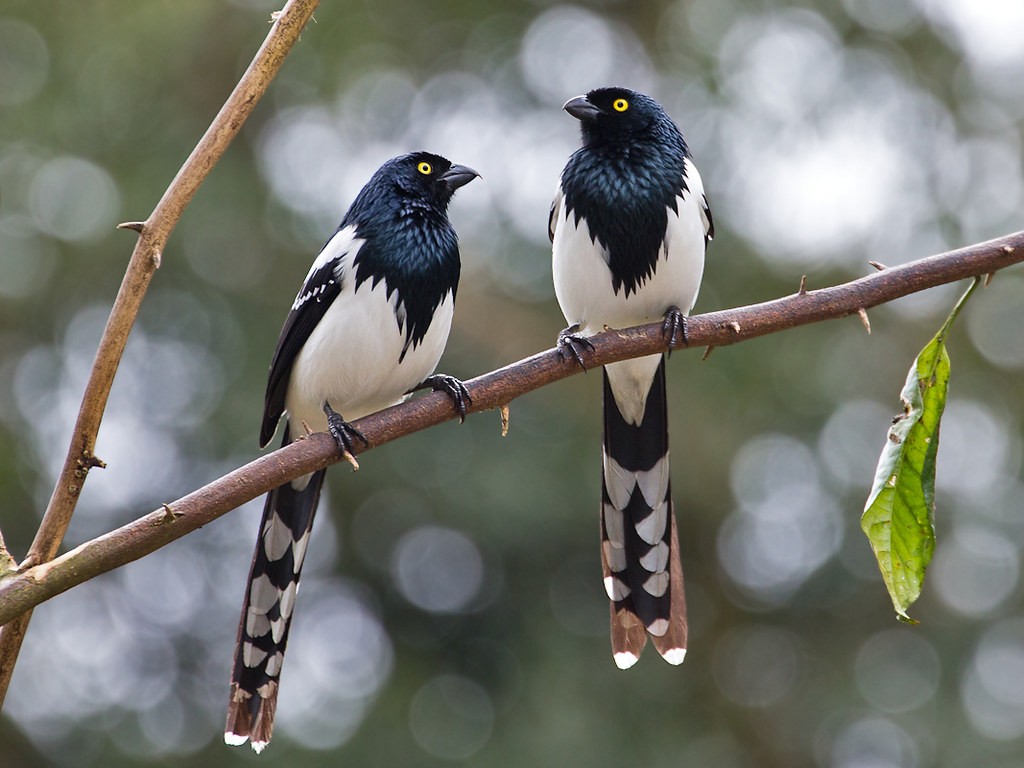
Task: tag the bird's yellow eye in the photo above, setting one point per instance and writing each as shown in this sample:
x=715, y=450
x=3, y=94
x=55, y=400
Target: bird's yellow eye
x=425, y=168
x=620, y=105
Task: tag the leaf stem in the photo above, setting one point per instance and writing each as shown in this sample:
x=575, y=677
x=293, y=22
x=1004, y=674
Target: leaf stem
x=946, y=326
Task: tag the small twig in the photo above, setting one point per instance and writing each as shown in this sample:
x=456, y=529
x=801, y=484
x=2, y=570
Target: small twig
x=802, y=291
x=877, y=265
x=707, y=354
x=504, y=410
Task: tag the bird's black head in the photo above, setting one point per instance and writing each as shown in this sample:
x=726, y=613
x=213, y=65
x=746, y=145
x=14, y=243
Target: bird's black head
x=414, y=189
x=619, y=114
x=424, y=177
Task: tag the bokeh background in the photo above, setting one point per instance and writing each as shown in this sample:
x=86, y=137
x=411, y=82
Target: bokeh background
x=452, y=610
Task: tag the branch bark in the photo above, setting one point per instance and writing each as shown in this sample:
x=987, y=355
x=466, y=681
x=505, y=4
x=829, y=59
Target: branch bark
x=145, y=260
x=23, y=591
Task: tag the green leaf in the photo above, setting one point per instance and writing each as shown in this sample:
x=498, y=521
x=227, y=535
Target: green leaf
x=899, y=517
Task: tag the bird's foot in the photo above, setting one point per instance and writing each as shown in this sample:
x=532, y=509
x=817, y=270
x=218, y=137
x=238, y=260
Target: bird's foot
x=570, y=342
x=674, y=327
x=343, y=433
x=454, y=388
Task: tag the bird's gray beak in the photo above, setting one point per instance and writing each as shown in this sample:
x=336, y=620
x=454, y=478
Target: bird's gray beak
x=457, y=176
x=581, y=109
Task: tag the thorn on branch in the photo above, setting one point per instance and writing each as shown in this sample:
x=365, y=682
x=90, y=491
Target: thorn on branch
x=878, y=265
x=89, y=461
x=863, y=313
x=84, y=463
x=733, y=326
x=1007, y=249
x=169, y=514
x=504, y=419
x=707, y=354
x=988, y=279
x=136, y=226
x=351, y=460
x=802, y=291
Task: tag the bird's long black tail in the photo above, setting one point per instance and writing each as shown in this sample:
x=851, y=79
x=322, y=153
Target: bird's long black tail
x=639, y=546
x=267, y=610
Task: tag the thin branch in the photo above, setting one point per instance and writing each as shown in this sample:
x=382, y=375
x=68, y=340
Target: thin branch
x=144, y=262
x=493, y=390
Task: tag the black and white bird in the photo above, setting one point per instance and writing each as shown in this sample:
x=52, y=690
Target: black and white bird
x=367, y=327
x=629, y=227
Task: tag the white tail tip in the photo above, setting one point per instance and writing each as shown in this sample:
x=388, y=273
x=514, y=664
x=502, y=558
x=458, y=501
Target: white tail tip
x=234, y=740
x=674, y=655
x=625, y=659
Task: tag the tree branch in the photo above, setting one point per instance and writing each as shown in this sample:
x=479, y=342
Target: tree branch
x=23, y=591
x=145, y=259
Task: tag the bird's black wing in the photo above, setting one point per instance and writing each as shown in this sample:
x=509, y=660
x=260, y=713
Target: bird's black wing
x=709, y=223
x=554, y=213
x=321, y=288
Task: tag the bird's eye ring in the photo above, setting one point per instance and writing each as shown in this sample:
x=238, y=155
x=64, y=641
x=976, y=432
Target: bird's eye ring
x=425, y=168
x=620, y=105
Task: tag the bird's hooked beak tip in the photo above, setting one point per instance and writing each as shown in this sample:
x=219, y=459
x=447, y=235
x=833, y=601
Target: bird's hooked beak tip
x=457, y=176
x=581, y=108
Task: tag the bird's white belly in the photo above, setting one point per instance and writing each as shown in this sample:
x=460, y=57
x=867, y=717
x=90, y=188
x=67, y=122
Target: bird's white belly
x=351, y=359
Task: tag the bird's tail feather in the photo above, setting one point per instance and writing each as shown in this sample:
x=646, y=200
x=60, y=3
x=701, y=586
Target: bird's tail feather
x=639, y=545
x=267, y=610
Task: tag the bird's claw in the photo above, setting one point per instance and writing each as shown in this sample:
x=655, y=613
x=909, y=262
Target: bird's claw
x=454, y=388
x=343, y=433
x=571, y=342
x=674, y=326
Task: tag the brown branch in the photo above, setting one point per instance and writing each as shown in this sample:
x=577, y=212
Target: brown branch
x=23, y=591
x=145, y=259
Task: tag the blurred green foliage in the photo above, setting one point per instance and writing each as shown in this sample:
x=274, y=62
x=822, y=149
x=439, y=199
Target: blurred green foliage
x=452, y=609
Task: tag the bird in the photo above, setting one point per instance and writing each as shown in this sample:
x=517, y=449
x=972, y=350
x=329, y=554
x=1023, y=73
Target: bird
x=629, y=228
x=367, y=328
